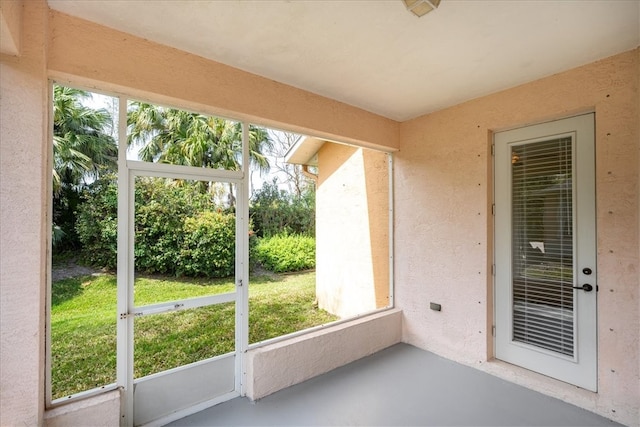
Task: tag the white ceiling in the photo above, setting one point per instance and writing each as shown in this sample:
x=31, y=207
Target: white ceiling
x=374, y=54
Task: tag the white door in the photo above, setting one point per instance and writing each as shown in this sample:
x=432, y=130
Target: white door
x=545, y=249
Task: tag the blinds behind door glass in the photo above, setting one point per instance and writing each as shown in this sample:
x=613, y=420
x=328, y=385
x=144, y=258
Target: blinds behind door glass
x=542, y=238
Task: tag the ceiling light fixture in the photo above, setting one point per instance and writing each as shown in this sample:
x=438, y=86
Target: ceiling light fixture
x=421, y=7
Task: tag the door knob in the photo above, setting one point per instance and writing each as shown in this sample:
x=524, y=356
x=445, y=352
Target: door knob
x=586, y=287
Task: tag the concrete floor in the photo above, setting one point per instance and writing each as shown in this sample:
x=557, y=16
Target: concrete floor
x=399, y=386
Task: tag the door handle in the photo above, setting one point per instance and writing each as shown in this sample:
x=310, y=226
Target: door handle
x=586, y=287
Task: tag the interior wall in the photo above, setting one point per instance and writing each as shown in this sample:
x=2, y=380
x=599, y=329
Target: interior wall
x=23, y=213
x=443, y=226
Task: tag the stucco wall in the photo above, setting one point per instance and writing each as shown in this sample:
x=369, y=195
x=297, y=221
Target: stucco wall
x=10, y=26
x=352, y=230
x=23, y=190
x=277, y=366
x=443, y=226
x=99, y=411
x=89, y=53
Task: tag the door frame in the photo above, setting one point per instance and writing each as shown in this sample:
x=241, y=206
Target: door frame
x=127, y=171
x=580, y=370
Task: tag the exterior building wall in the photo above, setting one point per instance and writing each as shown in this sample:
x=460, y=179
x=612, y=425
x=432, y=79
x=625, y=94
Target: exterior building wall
x=23, y=219
x=444, y=227
x=11, y=27
x=352, y=230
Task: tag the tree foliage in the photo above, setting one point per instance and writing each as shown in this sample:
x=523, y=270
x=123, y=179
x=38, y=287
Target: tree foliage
x=82, y=152
x=168, y=135
x=275, y=211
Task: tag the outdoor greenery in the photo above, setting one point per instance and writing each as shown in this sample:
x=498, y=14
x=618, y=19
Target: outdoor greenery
x=275, y=211
x=282, y=253
x=179, y=231
x=184, y=241
x=83, y=324
x=82, y=151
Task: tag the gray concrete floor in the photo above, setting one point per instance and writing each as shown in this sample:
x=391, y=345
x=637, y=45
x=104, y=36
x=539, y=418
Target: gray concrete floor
x=399, y=386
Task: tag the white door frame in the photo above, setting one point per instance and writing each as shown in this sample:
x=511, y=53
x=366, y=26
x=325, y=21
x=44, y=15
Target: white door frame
x=581, y=369
x=127, y=171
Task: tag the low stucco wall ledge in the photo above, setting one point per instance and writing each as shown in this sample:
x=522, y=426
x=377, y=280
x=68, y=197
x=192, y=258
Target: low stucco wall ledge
x=285, y=363
x=100, y=410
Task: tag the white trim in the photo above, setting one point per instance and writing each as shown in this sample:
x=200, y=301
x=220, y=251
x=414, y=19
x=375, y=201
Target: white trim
x=183, y=304
x=124, y=342
x=242, y=259
x=164, y=170
x=49, y=247
x=391, y=243
x=82, y=395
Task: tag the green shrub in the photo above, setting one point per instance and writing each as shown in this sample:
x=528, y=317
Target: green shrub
x=178, y=229
x=283, y=253
x=97, y=223
x=208, y=248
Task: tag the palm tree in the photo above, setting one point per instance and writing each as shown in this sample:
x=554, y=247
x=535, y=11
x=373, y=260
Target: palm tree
x=168, y=135
x=81, y=148
x=82, y=151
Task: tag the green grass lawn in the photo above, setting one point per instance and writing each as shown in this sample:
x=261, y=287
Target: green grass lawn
x=83, y=324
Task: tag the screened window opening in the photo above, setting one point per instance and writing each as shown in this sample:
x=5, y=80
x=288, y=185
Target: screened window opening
x=82, y=312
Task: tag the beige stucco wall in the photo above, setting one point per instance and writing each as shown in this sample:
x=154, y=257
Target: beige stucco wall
x=352, y=230
x=443, y=226
x=99, y=411
x=23, y=192
x=84, y=52
x=10, y=26
x=283, y=364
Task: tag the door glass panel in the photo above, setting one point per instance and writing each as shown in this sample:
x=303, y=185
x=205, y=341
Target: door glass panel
x=542, y=239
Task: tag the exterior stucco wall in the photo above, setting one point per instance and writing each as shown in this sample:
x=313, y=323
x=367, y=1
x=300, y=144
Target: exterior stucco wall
x=352, y=230
x=23, y=190
x=443, y=226
x=10, y=26
x=102, y=410
x=277, y=366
